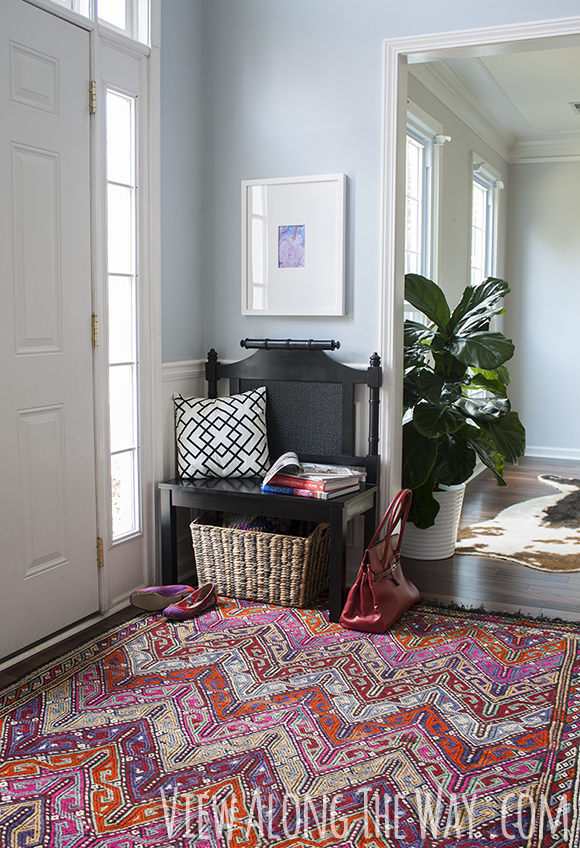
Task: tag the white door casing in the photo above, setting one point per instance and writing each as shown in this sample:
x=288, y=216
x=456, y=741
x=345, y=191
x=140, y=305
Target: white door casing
x=47, y=489
x=397, y=53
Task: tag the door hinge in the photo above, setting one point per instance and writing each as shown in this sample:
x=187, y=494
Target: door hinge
x=95, y=330
x=100, y=555
x=92, y=97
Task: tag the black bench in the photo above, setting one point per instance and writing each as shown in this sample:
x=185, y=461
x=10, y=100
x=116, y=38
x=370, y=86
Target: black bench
x=310, y=410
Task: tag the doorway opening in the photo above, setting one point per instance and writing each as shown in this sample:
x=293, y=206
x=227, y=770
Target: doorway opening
x=398, y=55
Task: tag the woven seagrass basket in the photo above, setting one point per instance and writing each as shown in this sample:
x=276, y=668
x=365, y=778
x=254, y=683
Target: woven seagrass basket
x=269, y=567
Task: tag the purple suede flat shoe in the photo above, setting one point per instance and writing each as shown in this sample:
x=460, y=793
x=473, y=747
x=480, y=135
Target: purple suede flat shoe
x=158, y=597
x=194, y=604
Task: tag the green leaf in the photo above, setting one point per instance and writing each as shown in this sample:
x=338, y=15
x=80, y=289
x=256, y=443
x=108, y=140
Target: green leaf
x=486, y=451
x=433, y=421
x=508, y=436
x=483, y=350
x=424, y=507
x=435, y=389
x=416, y=332
x=452, y=368
x=428, y=298
x=503, y=375
x=411, y=394
x=493, y=386
x=477, y=305
x=415, y=355
x=484, y=409
x=456, y=460
x=419, y=454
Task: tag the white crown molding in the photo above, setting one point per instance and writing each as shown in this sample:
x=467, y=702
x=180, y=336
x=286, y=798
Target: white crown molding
x=447, y=87
x=562, y=148
x=432, y=47
x=185, y=369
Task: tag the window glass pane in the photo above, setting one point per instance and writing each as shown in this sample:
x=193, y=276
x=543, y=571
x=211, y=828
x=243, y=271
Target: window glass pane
x=119, y=139
x=122, y=327
x=113, y=12
x=122, y=407
x=414, y=207
x=121, y=320
x=479, y=233
x=120, y=230
x=124, y=501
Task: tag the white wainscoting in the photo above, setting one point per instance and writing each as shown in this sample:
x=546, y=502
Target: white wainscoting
x=186, y=378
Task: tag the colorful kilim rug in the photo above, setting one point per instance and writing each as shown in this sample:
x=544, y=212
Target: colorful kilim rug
x=256, y=725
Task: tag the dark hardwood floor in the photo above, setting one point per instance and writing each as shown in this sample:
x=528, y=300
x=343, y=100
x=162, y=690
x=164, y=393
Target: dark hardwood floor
x=36, y=659
x=466, y=580
x=496, y=585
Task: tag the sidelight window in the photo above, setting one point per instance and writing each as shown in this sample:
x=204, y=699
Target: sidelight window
x=122, y=326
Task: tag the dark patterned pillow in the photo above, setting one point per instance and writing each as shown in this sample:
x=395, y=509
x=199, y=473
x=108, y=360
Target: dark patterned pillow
x=222, y=437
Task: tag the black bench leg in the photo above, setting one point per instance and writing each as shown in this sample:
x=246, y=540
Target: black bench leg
x=337, y=588
x=168, y=530
x=370, y=524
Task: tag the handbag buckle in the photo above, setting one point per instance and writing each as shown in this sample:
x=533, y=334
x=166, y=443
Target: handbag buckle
x=388, y=570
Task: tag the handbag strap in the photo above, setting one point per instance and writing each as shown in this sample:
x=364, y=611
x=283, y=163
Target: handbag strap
x=398, y=510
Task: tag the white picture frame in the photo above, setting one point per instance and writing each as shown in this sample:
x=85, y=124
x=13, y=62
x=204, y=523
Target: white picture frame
x=293, y=245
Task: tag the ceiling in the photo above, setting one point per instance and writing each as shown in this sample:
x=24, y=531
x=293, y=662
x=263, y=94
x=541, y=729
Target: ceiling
x=523, y=98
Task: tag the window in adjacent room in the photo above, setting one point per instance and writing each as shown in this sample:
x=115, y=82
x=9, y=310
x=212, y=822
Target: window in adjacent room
x=424, y=139
x=485, y=188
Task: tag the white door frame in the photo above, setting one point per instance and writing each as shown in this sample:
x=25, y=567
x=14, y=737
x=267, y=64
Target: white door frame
x=397, y=54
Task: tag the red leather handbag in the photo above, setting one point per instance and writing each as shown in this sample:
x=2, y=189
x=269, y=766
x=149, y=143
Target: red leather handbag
x=382, y=593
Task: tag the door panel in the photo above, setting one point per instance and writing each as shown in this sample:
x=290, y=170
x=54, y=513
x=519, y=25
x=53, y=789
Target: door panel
x=47, y=487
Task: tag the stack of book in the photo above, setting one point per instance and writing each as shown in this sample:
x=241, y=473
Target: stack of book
x=288, y=476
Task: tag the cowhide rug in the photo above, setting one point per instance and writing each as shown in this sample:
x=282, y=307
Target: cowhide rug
x=542, y=532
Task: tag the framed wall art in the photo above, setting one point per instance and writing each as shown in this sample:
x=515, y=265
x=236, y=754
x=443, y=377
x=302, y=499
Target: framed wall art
x=293, y=239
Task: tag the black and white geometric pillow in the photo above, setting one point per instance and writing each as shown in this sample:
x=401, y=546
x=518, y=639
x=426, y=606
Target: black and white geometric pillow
x=222, y=437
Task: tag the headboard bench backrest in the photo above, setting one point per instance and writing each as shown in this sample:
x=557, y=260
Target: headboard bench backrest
x=310, y=406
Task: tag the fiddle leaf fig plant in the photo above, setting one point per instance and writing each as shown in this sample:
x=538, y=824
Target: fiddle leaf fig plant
x=456, y=407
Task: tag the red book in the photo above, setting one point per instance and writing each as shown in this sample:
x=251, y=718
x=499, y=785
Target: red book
x=315, y=485
x=317, y=477
x=309, y=493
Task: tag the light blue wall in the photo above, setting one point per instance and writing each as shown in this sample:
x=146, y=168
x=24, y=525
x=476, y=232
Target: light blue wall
x=182, y=179
x=543, y=308
x=289, y=89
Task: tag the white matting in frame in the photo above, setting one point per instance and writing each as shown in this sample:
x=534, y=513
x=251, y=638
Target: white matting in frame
x=293, y=234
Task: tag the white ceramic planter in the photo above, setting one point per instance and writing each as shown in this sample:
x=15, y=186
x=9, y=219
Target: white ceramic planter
x=437, y=542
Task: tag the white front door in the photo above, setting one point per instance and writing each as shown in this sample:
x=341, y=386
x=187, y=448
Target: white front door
x=48, y=568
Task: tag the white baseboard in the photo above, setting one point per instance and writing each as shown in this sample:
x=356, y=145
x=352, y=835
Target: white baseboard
x=553, y=453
